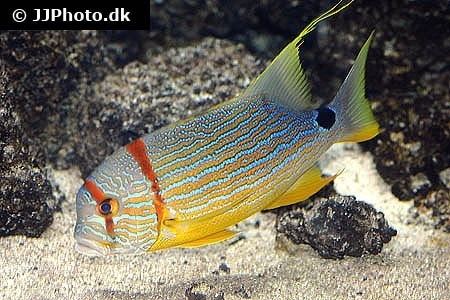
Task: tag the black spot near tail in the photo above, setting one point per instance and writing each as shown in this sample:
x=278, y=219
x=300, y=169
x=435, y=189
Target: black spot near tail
x=326, y=117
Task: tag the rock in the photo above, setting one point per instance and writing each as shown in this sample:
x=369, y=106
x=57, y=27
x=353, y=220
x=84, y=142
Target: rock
x=26, y=200
x=337, y=227
x=439, y=204
x=420, y=183
x=444, y=175
x=44, y=69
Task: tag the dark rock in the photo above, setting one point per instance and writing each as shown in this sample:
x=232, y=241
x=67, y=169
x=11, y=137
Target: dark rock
x=224, y=267
x=337, y=227
x=26, y=200
x=44, y=69
x=203, y=291
x=439, y=204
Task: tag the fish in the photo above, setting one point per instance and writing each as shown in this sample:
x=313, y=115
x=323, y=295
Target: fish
x=187, y=184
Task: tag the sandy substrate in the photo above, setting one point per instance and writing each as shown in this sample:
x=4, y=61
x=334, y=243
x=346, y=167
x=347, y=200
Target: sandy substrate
x=415, y=265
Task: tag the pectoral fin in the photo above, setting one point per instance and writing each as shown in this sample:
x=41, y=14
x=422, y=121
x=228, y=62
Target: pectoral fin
x=309, y=184
x=210, y=239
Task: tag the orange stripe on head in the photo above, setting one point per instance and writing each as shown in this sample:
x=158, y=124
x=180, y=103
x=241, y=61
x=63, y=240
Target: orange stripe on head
x=138, y=151
x=99, y=197
x=95, y=191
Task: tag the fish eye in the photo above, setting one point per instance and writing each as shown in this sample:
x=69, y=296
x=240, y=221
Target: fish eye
x=105, y=207
x=108, y=207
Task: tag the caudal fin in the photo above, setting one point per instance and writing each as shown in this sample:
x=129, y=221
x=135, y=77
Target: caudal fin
x=350, y=103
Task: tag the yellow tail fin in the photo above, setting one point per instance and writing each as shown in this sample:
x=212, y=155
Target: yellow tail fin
x=350, y=103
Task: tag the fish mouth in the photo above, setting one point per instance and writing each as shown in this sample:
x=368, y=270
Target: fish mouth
x=95, y=249
x=90, y=248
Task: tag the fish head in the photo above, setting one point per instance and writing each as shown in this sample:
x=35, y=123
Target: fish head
x=115, y=211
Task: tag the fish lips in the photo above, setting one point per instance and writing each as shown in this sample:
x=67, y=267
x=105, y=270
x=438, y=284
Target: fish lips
x=95, y=249
x=90, y=248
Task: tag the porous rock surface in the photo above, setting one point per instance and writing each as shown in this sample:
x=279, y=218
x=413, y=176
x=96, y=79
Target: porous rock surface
x=262, y=25
x=26, y=200
x=336, y=227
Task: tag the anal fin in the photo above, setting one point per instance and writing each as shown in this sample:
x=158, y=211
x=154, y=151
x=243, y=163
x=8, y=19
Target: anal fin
x=183, y=220
x=308, y=184
x=210, y=239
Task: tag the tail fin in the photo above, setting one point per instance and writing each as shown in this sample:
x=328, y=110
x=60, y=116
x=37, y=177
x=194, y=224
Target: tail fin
x=284, y=80
x=351, y=106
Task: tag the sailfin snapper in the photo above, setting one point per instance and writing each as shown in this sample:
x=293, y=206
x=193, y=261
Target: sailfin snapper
x=186, y=184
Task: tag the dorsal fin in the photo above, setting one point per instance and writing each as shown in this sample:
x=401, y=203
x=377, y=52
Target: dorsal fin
x=284, y=80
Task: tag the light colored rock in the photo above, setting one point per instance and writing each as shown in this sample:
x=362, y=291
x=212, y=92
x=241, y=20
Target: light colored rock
x=419, y=181
x=444, y=175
